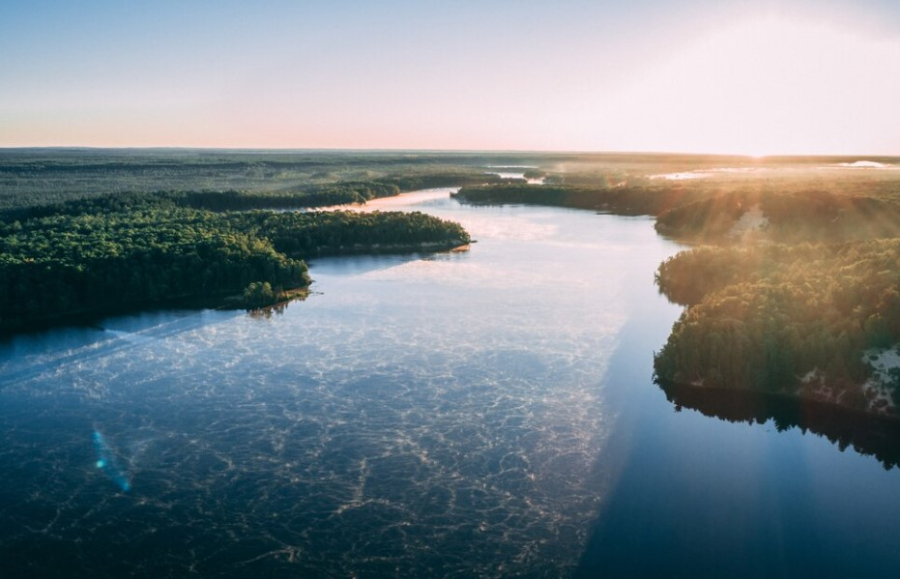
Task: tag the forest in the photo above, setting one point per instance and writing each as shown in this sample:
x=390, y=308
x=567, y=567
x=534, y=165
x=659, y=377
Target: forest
x=88, y=232
x=233, y=179
x=621, y=199
x=813, y=215
x=783, y=318
x=116, y=253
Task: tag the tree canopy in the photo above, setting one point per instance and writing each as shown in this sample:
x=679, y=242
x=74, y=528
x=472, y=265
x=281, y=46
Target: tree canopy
x=121, y=252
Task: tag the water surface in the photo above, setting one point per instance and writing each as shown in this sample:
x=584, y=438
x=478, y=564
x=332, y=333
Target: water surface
x=483, y=413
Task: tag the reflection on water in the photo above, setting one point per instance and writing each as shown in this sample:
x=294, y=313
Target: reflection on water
x=867, y=435
x=461, y=414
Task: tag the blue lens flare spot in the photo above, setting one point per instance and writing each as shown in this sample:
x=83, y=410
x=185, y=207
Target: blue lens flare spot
x=106, y=460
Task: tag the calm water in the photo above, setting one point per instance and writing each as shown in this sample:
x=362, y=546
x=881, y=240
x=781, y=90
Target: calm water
x=487, y=413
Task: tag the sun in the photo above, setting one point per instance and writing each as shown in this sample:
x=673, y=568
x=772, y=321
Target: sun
x=762, y=87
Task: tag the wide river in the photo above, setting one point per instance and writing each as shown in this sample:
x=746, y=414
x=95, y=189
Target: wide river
x=487, y=413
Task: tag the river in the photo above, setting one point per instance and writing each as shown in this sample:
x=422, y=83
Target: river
x=484, y=413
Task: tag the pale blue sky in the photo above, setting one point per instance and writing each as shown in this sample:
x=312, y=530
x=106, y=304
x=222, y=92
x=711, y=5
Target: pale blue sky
x=568, y=74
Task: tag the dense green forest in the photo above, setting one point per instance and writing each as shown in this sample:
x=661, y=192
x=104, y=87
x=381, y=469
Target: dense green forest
x=870, y=210
x=621, y=199
x=340, y=193
x=804, y=302
x=797, y=206
x=116, y=253
x=765, y=316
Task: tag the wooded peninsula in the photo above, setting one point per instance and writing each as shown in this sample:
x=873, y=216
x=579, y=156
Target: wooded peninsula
x=68, y=252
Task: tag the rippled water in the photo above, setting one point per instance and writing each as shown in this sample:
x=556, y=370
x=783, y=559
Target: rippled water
x=459, y=414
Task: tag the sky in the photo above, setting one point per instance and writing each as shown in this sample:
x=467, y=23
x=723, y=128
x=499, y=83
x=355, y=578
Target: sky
x=701, y=76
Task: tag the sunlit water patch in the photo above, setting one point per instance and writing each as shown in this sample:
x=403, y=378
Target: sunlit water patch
x=868, y=165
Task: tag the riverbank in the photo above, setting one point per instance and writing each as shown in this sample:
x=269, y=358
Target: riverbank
x=807, y=319
x=869, y=434
x=109, y=256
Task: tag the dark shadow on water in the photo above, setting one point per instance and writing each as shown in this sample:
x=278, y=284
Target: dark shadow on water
x=868, y=435
x=685, y=495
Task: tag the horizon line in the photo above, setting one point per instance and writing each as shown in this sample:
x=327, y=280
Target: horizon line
x=92, y=148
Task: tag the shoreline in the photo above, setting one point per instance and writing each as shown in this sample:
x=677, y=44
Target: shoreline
x=869, y=434
x=221, y=300
x=803, y=396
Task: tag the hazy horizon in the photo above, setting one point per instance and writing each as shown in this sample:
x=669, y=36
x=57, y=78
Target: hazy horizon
x=792, y=77
x=375, y=150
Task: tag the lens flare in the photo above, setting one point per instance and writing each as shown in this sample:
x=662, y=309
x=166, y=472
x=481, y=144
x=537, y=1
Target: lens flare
x=106, y=461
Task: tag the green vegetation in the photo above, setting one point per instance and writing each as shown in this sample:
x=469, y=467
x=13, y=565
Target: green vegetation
x=795, y=310
x=232, y=200
x=85, y=232
x=100, y=255
x=764, y=316
x=232, y=179
x=621, y=199
x=791, y=217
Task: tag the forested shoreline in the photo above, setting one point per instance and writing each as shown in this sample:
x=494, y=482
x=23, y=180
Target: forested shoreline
x=342, y=193
x=120, y=253
x=231, y=179
x=86, y=233
x=786, y=319
x=639, y=199
x=795, y=292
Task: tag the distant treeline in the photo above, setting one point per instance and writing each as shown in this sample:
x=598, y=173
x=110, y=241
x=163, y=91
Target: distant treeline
x=117, y=253
x=764, y=316
x=310, y=196
x=791, y=217
x=622, y=200
x=33, y=177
